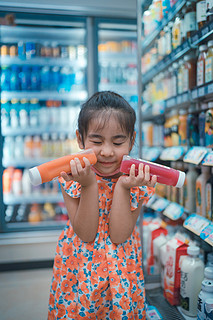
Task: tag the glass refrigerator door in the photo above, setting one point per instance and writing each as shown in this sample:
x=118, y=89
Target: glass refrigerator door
x=117, y=60
x=43, y=83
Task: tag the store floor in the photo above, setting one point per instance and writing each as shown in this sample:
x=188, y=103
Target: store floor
x=24, y=294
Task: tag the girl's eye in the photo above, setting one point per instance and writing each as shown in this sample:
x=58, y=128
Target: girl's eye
x=96, y=142
x=118, y=143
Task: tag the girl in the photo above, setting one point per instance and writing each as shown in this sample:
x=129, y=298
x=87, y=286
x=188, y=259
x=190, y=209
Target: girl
x=97, y=271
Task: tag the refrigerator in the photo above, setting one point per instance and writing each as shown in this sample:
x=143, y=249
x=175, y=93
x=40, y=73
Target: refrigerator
x=50, y=65
x=43, y=83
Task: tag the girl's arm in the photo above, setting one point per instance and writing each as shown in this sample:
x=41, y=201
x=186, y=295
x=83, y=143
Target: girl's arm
x=83, y=212
x=122, y=219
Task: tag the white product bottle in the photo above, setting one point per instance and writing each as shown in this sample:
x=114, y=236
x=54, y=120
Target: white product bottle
x=192, y=272
x=205, y=294
x=200, y=191
x=191, y=177
x=209, y=260
x=208, y=273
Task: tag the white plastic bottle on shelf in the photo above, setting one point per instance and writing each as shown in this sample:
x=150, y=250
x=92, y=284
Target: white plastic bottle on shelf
x=24, y=113
x=26, y=184
x=19, y=147
x=200, y=191
x=205, y=294
x=209, y=197
x=17, y=182
x=191, y=177
x=210, y=260
x=192, y=273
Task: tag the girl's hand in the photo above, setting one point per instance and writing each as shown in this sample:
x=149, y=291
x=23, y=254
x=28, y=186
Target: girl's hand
x=85, y=176
x=142, y=179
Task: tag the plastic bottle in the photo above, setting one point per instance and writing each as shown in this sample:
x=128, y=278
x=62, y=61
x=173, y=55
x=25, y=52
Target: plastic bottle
x=209, y=198
x=209, y=262
x=192, y=127
x=176, y=33
x=23, y=113
x=192, y=273
x=201, y=13
x=209, y=62
x=201, y=62
x=14, y=78
x=182, y=127
x=189, y=72
x=14, y=113
x=200, y=191
x=209, y=10
x=35, y=78
x=5, y=113
x=17, y=182
x=190, y=18
x=209, y=126
x=5, y=78
x=191, y=177
x=205, y=294
x=202, y=121
x=52, y=169
x=25, y=78
x=165, y=175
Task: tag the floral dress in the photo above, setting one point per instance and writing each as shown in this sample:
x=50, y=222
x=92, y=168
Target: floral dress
x=98, y=280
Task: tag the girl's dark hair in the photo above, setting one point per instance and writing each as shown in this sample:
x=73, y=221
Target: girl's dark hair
x=101, y=106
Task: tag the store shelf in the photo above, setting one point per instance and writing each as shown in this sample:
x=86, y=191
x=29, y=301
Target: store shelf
x=77, y=95
x=34, y=130
x=41, y=61
x=32, y=198
x=117, y=57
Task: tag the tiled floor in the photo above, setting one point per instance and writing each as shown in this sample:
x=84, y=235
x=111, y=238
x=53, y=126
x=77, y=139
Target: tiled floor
x=24, y=294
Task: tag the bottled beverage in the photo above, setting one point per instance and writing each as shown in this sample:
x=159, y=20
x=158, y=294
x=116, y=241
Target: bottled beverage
x=201, y=62
x=209, y=263
x=7, y=180
x=19, y=147
x=14, y=78
x=182, y=127
x=165, y=175
x=209, y=10
x=26, y=185
x=35, y=79
x=25, y=78
x=17, y=182
x=52, y=169
x=176, y=33
x=209, y=198
x=189, y=72
x=191, y=177
x=192, y=273
x=34, y=112
x=209, y=62
x=192, y=127
x=45, y=78
x=202, y=121
x=201, y=13
x=24, y=113
x=205, y=294
x=190, y=18
x=14, y=113
x=200, y=191
x=209, y=126
x=5, y=78
x=5, y=113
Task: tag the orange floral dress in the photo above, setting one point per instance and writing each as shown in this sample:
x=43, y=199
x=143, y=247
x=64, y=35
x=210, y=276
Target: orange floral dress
x=98, y=280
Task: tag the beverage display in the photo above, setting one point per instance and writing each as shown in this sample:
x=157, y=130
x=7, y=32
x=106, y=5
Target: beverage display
x=52, y=169
x=165, y=175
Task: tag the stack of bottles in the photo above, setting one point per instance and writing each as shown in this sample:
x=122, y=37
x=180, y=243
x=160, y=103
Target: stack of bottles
x=186, y=277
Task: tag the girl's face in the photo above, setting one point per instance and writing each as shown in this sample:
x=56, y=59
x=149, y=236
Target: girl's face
x=109, y=142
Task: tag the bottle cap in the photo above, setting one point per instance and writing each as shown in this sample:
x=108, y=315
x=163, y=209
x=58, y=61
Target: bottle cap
x=210, y=256
x=207, y=285
x=35, y=177
x=208, y=273
x=181, y=179
x=193, y=250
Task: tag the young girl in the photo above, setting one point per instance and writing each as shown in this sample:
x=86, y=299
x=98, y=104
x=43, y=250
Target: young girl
x=97, y=271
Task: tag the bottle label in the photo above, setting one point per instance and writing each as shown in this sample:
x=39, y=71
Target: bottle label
x=201, y=11
x=209, y=69
x=209, y=196
x=184, y=299
x=190, y=21
x=200, y=72
x=199, y=197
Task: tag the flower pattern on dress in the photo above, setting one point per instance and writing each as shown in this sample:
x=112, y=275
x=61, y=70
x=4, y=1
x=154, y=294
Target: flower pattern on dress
x=98, y=280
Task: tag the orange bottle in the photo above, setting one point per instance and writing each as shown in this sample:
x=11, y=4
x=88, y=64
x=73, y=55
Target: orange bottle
x=52, y=169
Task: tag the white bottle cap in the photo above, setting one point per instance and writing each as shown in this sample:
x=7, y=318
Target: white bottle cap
x=193, y=250
x=208, y=273
x=181, y=179
x=35, y=177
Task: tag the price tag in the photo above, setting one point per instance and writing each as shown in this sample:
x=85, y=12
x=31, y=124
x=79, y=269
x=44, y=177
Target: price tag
x=194, y=94
x=160, y=204
x=172, y=153
x=210, y=88
x=196, y=223
x=208, y=160
x=207, y=234
x=201, y=92
x=151, y=153
x=195, y=155
x=174, y=211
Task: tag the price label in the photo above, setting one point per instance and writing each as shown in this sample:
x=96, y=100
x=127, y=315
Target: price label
x=196, y=223
x=195, y=155
x=201, y=92
x=210, y=88
x=207, y=234
x=172, y=153
x=208, y=160
x=160, y=204
x=194, y=94
x=151, y=153
x=174, y=211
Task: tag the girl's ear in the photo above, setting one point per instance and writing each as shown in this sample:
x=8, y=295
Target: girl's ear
x=79, y=140
x=132, y=141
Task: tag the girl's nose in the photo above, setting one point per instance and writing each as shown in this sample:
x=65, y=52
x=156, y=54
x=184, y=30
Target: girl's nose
x=107, y=151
